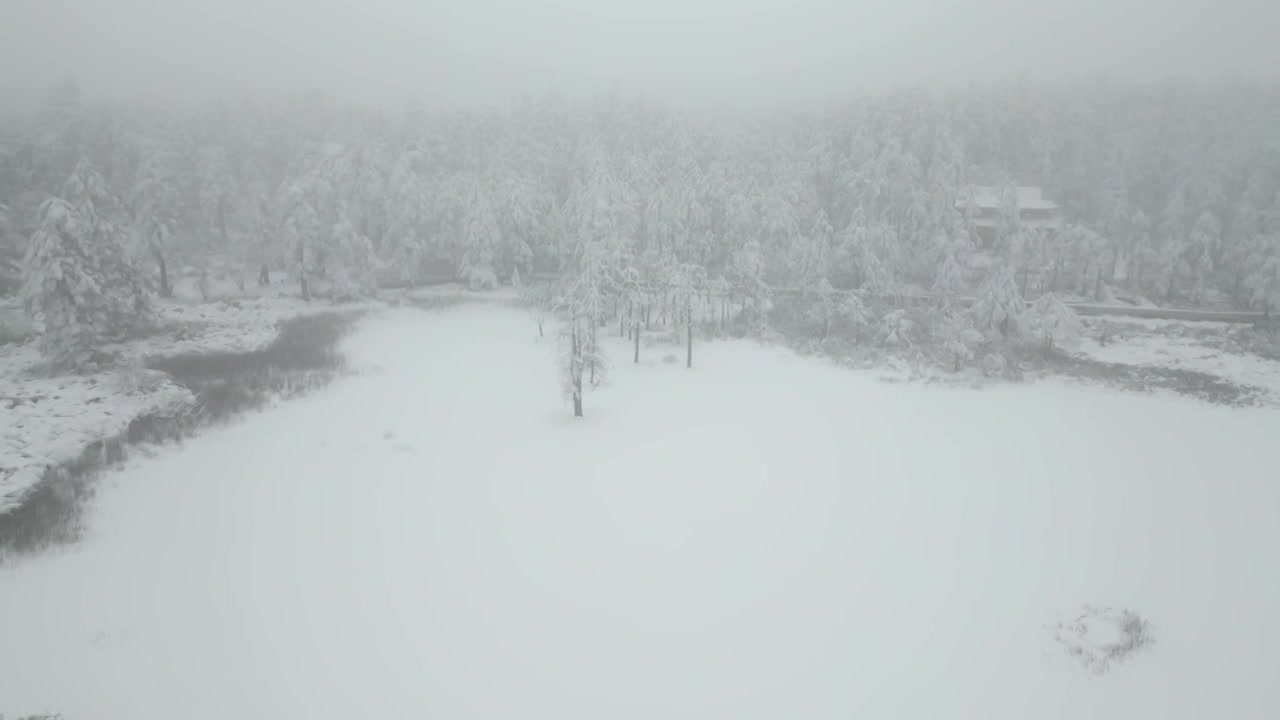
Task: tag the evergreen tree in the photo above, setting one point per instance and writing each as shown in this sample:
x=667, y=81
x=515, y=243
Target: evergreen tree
x=62, y=287
x=999, y=304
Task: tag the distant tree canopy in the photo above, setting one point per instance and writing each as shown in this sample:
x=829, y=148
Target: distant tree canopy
x=1171, y=191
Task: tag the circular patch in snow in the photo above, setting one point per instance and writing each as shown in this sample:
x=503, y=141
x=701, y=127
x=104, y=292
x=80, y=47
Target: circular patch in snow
x=1099, y=637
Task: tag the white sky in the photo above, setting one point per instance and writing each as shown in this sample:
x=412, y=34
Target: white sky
x=688, y=51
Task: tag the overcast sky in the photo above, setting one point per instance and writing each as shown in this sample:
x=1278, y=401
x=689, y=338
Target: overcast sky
x=455, y=52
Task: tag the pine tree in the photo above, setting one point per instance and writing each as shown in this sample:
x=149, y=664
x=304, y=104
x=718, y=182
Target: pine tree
x=62, y=287
x=11, y=252
x=480, y=239
x=950, y=282
x=352, y=262
x=125, y=287
x=999, y=304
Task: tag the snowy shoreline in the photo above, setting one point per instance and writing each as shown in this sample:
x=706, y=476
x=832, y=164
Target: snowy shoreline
x=51, y=421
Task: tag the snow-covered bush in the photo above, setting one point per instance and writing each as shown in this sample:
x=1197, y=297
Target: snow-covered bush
x=897, y=329
x=994, y=365
x=1052, y=323
x=956, y=340
x=62, y=287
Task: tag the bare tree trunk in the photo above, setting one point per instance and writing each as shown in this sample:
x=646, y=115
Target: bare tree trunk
x=302, y=272
x=689, y=329
x=593, y=349
x=575, y=370
x=637, y=332
x=222, y=219
x=166, y=290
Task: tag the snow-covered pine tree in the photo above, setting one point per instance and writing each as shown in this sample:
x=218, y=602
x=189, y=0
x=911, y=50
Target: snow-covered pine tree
x=407, y=211
x=156, y=207
x=62, y=287
x=949, y=282
x=125, y=287
x=999, y=304
x=1052, y=323
x=11, y=252
x=352, y=262
x=480, y=239
x=854, y=316
x=301, y=231
x=1263, y=282
x=1205, y=240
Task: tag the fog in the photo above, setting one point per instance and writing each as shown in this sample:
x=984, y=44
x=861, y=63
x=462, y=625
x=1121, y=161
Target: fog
x=450, y=52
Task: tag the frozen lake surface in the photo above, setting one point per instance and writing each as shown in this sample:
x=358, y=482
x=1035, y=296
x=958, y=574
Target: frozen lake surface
x=764, y=536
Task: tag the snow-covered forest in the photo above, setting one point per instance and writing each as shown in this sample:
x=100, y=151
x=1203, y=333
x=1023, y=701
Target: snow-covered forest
x=855, y=220
x=696, y=529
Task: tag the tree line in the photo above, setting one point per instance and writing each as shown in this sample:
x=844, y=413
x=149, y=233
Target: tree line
x=1169, y=191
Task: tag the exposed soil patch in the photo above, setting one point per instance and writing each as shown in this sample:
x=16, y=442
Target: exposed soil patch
x=303, y=357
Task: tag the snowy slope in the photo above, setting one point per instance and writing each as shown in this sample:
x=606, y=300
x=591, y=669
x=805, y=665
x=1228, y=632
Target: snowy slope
x=761, y=537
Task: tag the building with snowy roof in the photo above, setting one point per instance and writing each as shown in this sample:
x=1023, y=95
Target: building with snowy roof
x=1035, y=211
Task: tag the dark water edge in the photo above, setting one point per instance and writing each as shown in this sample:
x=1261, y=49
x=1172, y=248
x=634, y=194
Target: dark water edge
x=303, y=358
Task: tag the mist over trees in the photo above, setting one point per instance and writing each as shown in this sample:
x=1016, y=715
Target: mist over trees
x=1170, y=192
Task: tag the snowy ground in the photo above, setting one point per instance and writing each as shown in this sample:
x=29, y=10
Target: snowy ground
x=1181, y=346
x=46, y=421
x=761, y=537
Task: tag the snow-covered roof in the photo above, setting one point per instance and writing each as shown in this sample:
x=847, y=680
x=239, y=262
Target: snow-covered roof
x=1029, y=198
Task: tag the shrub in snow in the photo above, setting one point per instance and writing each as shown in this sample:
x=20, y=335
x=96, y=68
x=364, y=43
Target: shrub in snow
x=1052, y=323
x=62, y=288
x=994, y=365
x=956, y=339
x=479, y=277
x=897, y=329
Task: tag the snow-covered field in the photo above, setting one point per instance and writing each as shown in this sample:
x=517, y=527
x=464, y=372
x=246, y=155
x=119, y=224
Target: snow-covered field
x=761, y=537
